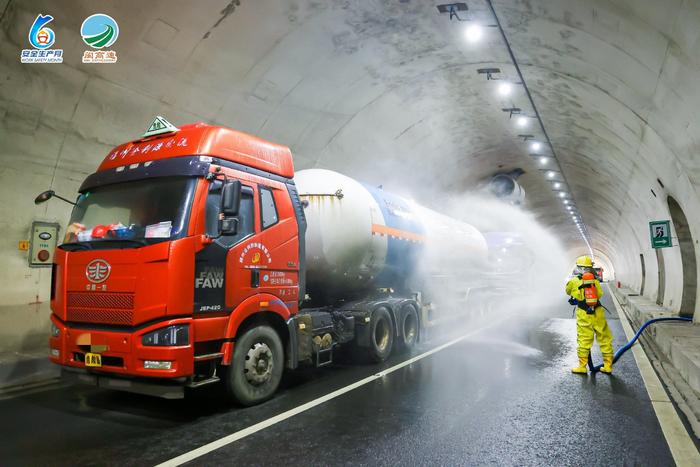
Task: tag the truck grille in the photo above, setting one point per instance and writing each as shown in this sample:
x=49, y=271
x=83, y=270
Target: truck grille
x=104, y=308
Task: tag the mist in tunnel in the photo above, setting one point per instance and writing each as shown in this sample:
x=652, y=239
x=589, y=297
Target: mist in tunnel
x=517, y=277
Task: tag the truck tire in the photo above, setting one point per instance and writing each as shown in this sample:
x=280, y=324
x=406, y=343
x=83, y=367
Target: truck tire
x=381, y=339
x=256, y=367
x=409, y=327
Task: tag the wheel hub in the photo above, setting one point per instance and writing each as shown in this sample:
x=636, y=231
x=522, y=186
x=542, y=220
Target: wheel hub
x=258, y=364
x=410, y=329
x=381, y=335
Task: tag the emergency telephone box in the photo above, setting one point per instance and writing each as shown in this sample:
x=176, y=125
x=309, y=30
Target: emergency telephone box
x=42, y=243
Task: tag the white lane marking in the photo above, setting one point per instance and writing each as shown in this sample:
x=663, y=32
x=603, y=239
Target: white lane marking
x=221, y=442
x=679, y=441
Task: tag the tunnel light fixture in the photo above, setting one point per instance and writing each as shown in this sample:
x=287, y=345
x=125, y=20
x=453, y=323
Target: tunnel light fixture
x=566, y=201
x=512, y=111
x=543, y=160
x=562, y=194
x=557, y=185
x=505, y=88
x=489, y=72
x=536, y=146
x=473, y=33
x=550, y=174
x=453, y=9
x=521, y=121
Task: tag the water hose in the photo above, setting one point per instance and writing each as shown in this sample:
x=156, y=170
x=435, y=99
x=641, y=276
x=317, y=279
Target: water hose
x=628, y=345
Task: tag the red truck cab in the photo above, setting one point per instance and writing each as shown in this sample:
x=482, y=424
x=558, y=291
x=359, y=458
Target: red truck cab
x=183, y=248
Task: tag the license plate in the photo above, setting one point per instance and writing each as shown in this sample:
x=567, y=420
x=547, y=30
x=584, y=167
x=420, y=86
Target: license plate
x=93, y=359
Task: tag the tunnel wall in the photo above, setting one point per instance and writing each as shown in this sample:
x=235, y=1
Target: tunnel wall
x=57, y=122
x=616, y=84
x=378, y=99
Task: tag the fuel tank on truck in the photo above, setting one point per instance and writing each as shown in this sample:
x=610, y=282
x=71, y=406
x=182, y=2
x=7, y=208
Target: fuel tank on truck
x=360, y=238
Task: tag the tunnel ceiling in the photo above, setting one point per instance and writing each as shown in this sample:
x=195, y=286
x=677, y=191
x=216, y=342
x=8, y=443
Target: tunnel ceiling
x=387, y=91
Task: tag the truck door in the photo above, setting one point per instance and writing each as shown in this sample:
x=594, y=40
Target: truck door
x=268, y=262
x=210, y=262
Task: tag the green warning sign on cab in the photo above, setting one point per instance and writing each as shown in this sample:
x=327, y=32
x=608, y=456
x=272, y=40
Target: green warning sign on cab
x=660, y=232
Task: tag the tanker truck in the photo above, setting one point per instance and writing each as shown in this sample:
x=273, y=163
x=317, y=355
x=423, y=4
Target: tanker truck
x=194, y=256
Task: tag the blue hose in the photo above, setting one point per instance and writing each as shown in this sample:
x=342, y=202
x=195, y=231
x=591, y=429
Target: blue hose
x=627, y=346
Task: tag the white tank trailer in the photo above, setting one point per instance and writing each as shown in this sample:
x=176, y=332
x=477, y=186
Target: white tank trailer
x=361, y=238
x=379, y=268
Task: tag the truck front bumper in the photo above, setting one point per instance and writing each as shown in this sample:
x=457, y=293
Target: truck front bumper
x=122, y=352
x=168, y=389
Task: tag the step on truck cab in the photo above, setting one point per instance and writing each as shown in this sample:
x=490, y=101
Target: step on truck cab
x=183, y=265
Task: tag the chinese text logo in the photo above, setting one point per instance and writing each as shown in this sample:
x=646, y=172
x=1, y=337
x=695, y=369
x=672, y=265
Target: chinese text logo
x=99, y=31
x=41, y=38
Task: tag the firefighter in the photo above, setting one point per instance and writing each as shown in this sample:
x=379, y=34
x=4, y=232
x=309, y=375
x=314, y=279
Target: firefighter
x=585, y=292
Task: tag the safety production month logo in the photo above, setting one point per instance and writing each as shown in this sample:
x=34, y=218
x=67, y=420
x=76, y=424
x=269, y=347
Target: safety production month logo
x=41, y=38
x=100, y=32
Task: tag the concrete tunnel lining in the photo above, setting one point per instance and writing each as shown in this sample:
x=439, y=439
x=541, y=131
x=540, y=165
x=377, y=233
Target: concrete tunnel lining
x=614, y=83
x=390, y=96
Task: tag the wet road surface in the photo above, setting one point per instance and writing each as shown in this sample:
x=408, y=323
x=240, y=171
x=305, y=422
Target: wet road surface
x=505, y=396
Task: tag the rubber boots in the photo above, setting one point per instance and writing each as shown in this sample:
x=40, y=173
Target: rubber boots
x=607, y=363
x=581, y=368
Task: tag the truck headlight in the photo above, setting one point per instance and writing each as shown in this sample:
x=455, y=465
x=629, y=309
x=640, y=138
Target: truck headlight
x=178, y=334
x=55, y=332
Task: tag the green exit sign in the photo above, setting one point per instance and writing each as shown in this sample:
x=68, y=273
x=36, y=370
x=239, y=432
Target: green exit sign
x=660, y=232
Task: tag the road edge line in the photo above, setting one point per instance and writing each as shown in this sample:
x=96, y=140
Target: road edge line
x=677, y=437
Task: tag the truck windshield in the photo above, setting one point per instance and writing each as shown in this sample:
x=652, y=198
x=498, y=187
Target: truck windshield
x=132, y=213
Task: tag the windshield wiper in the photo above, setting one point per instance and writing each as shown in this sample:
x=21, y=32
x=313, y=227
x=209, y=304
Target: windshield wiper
x=73, y=246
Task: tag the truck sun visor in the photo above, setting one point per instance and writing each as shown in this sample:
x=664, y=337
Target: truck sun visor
x=186, y=166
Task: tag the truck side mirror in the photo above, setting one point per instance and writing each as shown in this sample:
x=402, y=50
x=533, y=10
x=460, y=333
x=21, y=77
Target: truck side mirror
x=47, y=195
x=231, y=198
x=43, y=197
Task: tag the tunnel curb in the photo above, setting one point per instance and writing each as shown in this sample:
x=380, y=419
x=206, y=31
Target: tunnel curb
x=20, y=372
x=677, y=387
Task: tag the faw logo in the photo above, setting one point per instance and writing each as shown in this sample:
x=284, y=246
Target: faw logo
x=97, y=270
x=210, y=278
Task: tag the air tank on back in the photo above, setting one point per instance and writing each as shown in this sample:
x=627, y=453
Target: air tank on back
x=361, y=238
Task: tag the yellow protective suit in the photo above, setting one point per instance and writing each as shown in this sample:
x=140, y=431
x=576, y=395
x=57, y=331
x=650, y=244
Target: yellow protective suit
x=588, y=326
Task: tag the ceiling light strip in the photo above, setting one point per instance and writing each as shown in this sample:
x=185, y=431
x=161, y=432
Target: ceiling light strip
x=534, y=108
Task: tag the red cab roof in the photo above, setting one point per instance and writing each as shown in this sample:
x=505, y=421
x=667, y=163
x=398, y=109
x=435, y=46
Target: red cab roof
x=200, y=139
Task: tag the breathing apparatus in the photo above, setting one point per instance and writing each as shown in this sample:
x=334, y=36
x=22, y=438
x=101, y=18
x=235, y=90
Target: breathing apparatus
x=590, y=293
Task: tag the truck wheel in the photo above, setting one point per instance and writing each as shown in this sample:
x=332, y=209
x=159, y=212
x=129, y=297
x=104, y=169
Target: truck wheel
x=381, y=335
x=409, y=327
x=256, y=367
